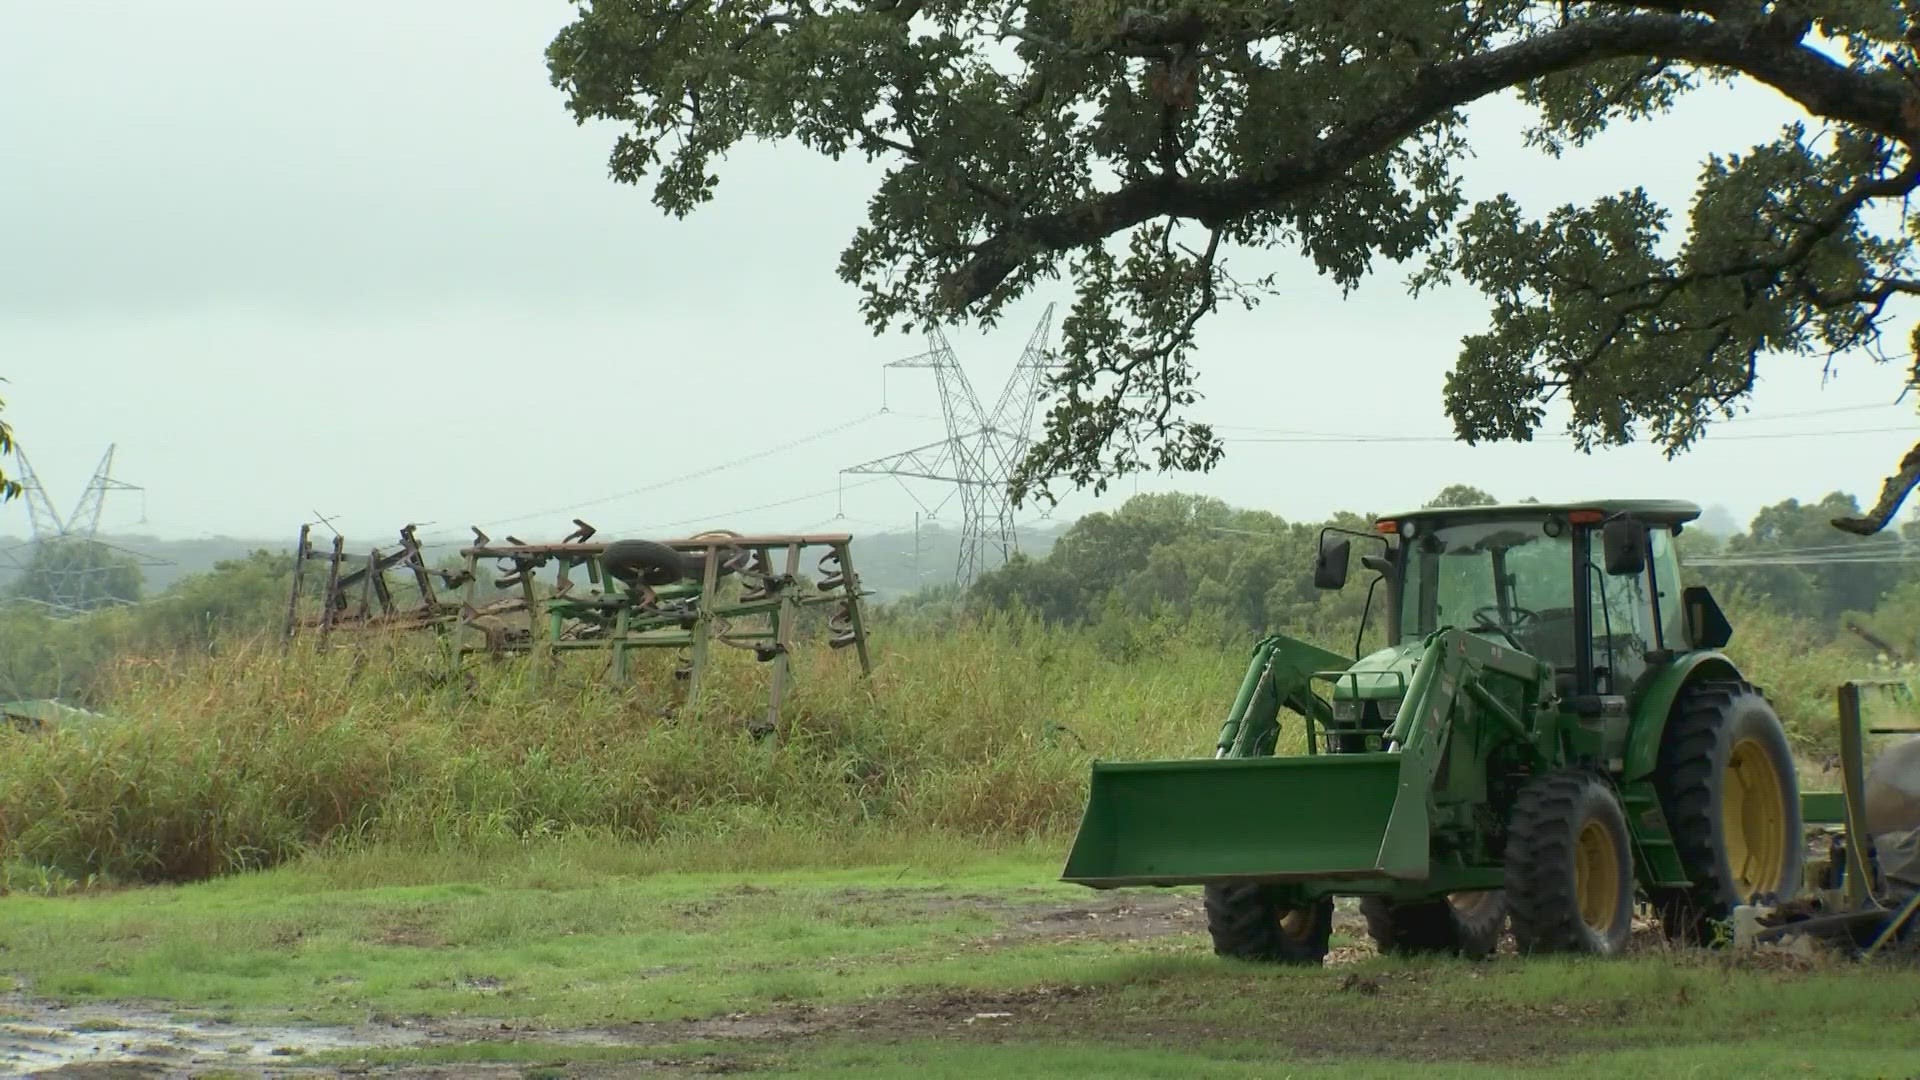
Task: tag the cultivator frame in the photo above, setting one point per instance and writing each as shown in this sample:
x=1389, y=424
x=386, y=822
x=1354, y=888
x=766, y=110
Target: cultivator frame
x=376, y=608
x=618, y=610
x=627, y=612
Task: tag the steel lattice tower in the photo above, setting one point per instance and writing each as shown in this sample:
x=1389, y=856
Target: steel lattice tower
x=981, y=449
x=64, y=550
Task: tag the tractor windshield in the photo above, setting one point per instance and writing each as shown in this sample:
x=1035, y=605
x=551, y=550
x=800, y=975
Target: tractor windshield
x=1506, y=579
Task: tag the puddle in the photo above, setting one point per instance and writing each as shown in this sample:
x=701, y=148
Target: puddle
x=44, y=1040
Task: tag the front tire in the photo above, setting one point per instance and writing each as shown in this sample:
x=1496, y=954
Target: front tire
x=1249, y=922
x=1728, y=787
x=1569, y=871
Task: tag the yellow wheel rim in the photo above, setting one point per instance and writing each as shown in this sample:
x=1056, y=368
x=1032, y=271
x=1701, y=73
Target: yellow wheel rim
x=1466, y=903
x=1295, y=923
x=1596, y=877
x=1753, y=819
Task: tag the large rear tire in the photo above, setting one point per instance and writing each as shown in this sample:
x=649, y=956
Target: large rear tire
x=1248, y=922
x=1728, y=787
x=1462, y=924
x=1569, y=870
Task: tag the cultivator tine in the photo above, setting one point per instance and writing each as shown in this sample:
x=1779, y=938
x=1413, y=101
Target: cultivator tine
x=840, y=625
x=835, y=573
x=581, y=534
x=757, y=571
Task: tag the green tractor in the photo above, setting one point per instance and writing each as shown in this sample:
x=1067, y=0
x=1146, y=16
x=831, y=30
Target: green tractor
x=1551, y=734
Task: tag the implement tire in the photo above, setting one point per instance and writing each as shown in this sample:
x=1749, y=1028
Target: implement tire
x=652, y=562
x=1248, y=922
x=1731, y=795
x=1569, y=869
x=1462, y=924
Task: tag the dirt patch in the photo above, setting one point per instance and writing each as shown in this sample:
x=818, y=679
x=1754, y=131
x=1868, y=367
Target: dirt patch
x=410, y=935
x=1109, y=916
x=1115, y=917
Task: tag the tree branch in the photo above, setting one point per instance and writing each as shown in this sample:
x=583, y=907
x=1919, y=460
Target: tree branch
x=1820, y=85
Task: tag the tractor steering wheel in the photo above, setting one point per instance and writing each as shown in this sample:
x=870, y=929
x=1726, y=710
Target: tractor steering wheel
x=1520, y=614
x=1482, y=620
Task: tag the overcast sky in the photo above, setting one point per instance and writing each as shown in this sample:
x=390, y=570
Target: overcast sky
x=356, y=259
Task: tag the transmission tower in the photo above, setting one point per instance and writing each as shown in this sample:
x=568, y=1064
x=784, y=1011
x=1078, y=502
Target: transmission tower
x=65, y=568
x=981, y=449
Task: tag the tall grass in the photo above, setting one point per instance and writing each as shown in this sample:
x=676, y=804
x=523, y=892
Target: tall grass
x=983, y=730
x=244, y=759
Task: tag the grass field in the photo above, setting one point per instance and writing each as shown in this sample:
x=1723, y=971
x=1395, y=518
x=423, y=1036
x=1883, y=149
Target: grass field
x=356, y=862
x=580, y=958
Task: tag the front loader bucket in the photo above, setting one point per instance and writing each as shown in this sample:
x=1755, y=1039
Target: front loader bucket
x=1265, y=819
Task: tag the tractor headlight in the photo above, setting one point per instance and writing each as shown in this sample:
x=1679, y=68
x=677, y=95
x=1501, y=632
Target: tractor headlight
x=1346, y=711
x=1389, y=709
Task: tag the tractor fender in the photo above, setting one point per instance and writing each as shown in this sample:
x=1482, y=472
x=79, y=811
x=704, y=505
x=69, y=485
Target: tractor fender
x=1655, y=705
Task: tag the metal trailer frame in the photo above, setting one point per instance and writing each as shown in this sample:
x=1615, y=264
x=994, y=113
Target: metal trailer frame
x=622, y=617
x=1851, y=873
x=337, y=612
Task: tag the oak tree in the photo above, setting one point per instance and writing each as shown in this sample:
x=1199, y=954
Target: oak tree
x=1133, y=146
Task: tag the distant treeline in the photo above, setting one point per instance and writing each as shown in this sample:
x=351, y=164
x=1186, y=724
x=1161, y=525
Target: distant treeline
x=1161, y=557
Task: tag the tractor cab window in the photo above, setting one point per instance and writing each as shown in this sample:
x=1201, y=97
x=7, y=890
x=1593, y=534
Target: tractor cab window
x=1507, y=580
x=1623, y=625
x=1666, y=576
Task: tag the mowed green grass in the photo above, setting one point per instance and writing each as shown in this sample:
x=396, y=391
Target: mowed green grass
x=886, y=955
x=558, y=932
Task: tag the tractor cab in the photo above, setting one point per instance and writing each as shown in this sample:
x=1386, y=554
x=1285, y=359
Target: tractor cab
x=1590, y=590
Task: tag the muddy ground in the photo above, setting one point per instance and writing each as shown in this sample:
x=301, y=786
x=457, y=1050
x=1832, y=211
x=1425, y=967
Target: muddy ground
x=128, y=1041
x=117, y=1040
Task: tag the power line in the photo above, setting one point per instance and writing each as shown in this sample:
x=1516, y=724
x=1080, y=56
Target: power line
x=710, y=470
x=763, y=506
x=1830, y=561
x=1356, y=437
x=1748, y=419
x=1865, y=547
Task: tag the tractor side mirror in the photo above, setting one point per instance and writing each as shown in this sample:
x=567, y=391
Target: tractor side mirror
x=1625, y=546
x=1707, y=625
x=1330, y=566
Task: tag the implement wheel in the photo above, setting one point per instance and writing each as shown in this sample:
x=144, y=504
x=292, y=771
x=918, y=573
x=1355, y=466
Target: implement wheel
x=1248, y=922
x=1462, y=924
x=652, y=562
x=1568, y=867
x=1727, y=784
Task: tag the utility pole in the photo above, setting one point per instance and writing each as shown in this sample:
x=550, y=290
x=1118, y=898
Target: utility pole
x=70, y=563
x=981, y=449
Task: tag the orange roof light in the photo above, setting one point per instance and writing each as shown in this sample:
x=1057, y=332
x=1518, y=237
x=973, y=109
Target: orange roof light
x=1388, y=527
x=1586, y=517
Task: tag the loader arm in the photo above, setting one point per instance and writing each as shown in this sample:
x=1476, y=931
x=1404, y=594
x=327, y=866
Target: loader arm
x=1281, y=673
x=1452, y=668
x=1360, y=819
